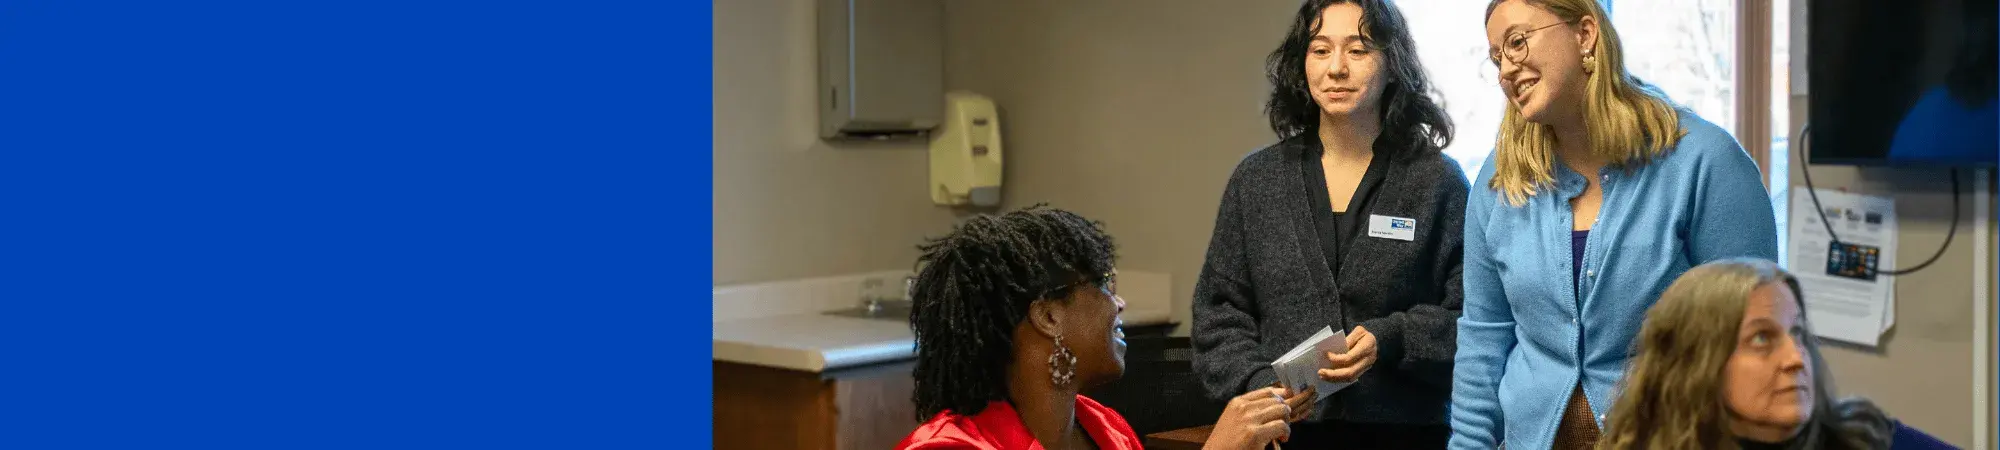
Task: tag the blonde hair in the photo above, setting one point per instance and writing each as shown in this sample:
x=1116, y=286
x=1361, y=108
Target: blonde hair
x=1672, y=390
x=1628, y=122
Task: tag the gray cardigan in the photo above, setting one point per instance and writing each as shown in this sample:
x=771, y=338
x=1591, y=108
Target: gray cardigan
x=1266, y=286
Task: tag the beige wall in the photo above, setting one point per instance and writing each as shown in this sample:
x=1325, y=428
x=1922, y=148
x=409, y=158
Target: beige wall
x=1129, y=115
x=1923, y=371
x=787, y=205
x=1118, y=113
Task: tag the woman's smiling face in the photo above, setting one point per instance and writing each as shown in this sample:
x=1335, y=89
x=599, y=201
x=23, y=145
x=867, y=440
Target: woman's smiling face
x=1539, y=58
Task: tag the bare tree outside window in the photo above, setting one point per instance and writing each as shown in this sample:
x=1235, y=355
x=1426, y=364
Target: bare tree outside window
x=1451, y=42
x=1687, y=48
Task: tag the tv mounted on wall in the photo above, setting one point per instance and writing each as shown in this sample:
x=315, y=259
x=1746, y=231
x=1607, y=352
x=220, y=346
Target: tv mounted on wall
x=1903, y=83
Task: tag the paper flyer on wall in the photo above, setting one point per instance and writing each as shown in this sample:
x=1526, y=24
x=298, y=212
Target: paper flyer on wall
x=1846, y=300
x=1301, y=365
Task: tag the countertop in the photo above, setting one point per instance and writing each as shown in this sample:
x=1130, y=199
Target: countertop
x=820, y=343
x=779, y=324
x=813, y=342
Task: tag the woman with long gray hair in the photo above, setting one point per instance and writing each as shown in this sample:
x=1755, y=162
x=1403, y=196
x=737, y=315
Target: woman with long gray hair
x=1726, y=360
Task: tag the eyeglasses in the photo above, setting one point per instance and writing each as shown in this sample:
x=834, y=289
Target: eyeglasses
x=1107, y=281
x=1515, y=46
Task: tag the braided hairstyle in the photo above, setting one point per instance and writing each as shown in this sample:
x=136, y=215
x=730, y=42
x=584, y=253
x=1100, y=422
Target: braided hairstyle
x=974, y=289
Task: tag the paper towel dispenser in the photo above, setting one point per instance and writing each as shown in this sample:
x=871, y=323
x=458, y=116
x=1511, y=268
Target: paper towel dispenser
x=881, y=68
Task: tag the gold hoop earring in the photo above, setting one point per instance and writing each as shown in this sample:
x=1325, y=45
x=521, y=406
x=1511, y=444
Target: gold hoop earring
x=1062, y=364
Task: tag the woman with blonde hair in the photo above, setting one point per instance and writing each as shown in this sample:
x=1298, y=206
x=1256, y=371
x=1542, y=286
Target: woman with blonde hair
x=1725, y=360
x=1597, y=172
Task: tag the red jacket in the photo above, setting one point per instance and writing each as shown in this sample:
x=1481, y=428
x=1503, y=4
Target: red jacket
x=1000, y=428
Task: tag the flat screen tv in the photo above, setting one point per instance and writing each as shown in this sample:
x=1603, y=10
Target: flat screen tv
x=1903, y=83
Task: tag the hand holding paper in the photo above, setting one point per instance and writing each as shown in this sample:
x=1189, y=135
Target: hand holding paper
x=1301, y=402
x=1299, y=368
x=1251, y=421
x=1360, y=356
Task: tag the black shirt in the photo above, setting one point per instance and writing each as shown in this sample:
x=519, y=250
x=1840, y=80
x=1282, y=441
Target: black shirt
x=1337, y=229
x=1747, y=444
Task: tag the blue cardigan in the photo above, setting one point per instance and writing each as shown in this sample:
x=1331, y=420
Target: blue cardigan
x=1530, y=331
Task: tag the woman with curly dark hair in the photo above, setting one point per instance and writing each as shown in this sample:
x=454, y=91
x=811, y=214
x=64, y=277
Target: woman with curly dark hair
x=1014, y=315
x=1351, y=221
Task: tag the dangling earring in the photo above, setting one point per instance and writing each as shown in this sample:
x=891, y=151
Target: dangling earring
x=1062, y=364
x=1589, y=64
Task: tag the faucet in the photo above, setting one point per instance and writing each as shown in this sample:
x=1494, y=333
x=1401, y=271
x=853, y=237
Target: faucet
x=870, y=301
x=872, y=298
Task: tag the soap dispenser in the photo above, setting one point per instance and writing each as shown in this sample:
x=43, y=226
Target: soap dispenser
x=965, y=152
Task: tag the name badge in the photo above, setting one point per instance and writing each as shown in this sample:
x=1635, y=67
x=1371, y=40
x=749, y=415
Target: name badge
x=1392, y=228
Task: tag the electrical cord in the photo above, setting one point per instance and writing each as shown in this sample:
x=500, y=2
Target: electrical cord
x=1805, y=135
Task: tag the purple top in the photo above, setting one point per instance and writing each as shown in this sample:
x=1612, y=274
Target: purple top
x=1576, y=241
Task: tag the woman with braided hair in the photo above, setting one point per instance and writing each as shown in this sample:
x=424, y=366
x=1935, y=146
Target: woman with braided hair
x=1014, y=316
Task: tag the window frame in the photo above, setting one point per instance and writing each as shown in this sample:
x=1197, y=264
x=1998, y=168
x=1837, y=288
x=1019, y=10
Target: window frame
x=1753, y=81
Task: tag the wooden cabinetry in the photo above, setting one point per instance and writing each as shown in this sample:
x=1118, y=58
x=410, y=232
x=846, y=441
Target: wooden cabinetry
x=761, y=408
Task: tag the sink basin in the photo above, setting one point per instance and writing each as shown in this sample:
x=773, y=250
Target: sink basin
x=886, y=310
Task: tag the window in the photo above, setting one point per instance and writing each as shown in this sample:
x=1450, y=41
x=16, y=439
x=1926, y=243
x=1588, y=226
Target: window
x=1451, y=42
x=1779, y=164
x=1687, y=48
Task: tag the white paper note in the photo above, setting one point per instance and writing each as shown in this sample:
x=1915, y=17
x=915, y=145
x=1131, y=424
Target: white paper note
x=1300, y=367
x=1845, y=299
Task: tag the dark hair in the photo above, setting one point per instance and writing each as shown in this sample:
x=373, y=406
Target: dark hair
x=1411, y=120
x=1845, y=423
x=974, y=288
